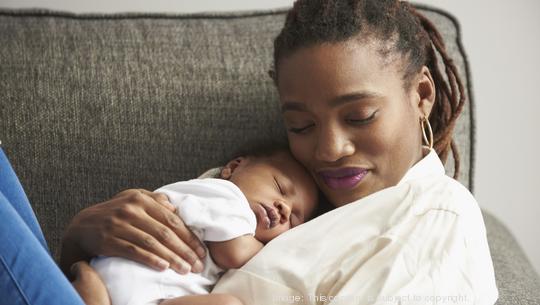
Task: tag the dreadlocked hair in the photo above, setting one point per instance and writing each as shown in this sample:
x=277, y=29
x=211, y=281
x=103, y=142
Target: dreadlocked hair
x=399, y=25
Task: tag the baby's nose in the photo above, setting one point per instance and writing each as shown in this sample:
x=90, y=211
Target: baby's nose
x=284, y=211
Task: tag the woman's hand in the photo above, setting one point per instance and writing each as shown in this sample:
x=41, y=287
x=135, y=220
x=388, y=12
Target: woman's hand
x=135, y=224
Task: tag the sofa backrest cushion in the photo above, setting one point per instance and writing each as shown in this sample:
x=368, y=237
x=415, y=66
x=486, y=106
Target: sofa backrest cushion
x=94, y=104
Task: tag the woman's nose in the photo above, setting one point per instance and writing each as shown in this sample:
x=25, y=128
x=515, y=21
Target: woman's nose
x=333, y=145
x=284, y=211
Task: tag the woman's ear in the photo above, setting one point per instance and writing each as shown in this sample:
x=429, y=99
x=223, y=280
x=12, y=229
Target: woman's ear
x=424, y=91
x=227, y=171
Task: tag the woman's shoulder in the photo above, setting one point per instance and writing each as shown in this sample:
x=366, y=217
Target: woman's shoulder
x=444, y=194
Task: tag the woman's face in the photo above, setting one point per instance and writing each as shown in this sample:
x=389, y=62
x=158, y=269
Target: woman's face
x=350, y=120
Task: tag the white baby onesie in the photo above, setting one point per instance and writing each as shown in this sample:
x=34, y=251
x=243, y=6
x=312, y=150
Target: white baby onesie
x=215, y=210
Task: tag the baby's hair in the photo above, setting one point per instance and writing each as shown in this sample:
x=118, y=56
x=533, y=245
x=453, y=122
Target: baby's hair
x=408, y=33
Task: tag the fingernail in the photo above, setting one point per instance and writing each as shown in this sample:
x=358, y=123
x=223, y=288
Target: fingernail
x=163, y=264
x=201, y=252
x=180, y=267
x=185, y=268
x=197, y=266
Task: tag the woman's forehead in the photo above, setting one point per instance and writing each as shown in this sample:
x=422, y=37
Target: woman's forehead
x=372, y=52
x=337, y=69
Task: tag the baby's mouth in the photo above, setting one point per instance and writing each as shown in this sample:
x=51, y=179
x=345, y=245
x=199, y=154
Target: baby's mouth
x=267, y=215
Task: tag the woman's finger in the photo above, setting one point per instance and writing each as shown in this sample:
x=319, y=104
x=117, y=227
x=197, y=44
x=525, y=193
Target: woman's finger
x=123, y=248
x=174, y=234
x=166, y=228
x=175, y=223
x=142, y=234
x=160, y=198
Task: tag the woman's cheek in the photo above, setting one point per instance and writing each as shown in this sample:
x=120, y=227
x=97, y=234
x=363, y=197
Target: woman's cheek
x=300, y=148
x=373, y=142
x=381, y=143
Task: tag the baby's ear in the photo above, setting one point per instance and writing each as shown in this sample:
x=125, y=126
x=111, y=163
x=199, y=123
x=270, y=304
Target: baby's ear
x=228, y=170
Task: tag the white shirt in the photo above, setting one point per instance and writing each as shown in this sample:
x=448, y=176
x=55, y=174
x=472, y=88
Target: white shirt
x=422, y=241
x=214, y=209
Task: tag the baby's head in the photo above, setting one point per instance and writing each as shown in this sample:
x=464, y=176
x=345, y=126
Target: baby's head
x=281, y=193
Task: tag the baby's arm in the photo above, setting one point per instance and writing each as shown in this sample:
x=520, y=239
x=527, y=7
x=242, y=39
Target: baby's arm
x=234, y=253
x=205, y=299
x=89, y=284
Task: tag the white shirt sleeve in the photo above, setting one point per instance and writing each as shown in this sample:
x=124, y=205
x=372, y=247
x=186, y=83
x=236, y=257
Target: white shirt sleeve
x=438, y=256
x=441, y=261
x=214, y=207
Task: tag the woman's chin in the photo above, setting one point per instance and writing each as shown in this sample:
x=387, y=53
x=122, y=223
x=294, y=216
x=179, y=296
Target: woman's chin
x=341, y=197
x=342, y=191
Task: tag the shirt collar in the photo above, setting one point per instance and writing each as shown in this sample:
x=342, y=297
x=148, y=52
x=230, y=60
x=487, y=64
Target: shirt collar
x=428, y=166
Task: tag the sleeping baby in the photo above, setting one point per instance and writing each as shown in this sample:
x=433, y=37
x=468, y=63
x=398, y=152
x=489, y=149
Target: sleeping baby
x=250, y=201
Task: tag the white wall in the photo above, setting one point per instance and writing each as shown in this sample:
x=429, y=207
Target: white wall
x=502, y=40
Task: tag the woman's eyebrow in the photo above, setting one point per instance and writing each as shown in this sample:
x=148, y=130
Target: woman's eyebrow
x=338, y=101
x=293, y=106
x=353, y=97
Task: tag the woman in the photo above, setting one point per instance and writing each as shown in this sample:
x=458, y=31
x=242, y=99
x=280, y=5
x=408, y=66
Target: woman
x=359, y=89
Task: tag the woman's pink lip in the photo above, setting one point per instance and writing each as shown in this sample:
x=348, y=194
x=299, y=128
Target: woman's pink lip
x=343, y=178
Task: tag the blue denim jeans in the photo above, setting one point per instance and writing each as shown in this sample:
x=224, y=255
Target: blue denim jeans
x=28, y=274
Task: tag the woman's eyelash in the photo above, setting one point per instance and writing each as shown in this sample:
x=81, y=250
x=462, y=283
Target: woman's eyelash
x=361, y=121
x=300, y=130
x=353, y=121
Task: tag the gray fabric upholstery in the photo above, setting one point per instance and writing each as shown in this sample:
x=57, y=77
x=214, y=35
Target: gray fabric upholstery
x=93, y=104
x=517, y=280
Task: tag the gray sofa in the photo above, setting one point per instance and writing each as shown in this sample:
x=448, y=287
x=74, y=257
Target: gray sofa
x=94, y=104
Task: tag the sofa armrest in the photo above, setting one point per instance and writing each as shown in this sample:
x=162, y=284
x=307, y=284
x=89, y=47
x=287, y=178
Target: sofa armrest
x=516, y=278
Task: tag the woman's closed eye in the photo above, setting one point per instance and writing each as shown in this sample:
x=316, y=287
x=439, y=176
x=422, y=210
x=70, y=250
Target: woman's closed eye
x=358, y=120
x=300, y=130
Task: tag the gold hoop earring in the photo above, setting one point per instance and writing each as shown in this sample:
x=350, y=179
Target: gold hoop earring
x=430, y=141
